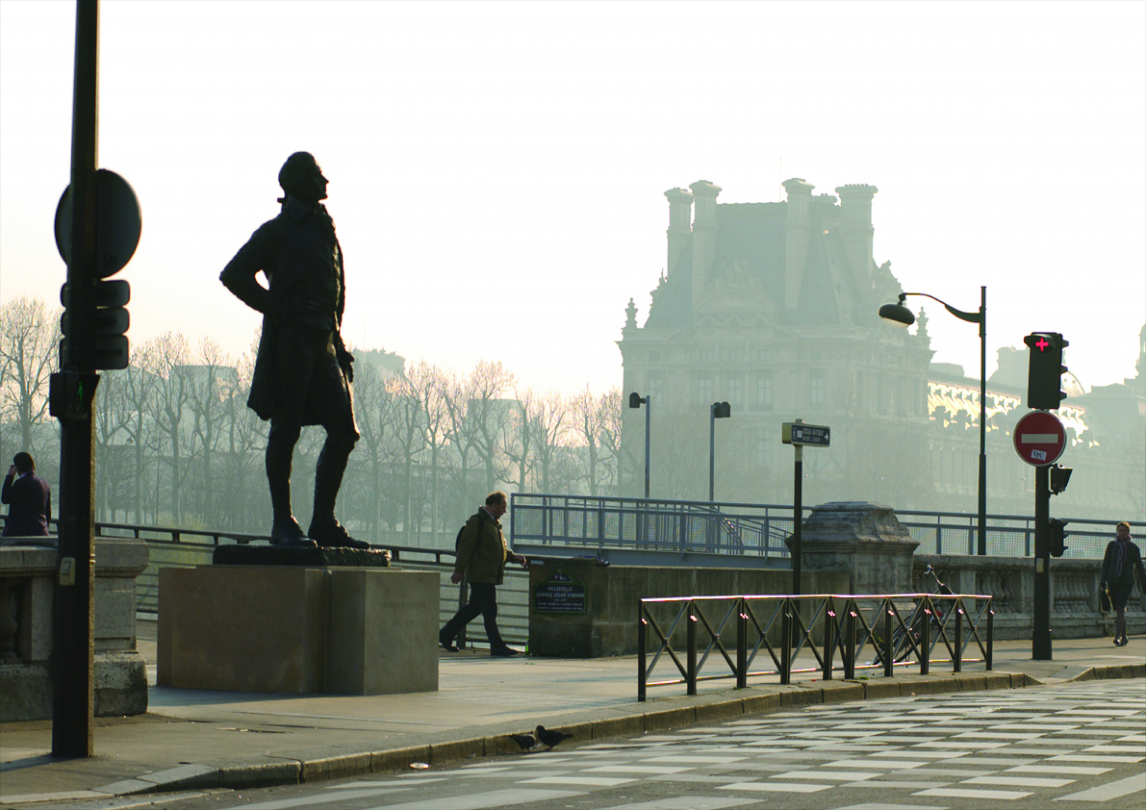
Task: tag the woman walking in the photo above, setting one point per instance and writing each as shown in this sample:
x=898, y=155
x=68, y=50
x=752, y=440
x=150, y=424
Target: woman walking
x=1122, y=558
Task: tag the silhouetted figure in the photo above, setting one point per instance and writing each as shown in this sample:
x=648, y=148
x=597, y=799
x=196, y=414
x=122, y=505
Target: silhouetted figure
x=303, y=372
x=29, y=499
x=1121, y=561
x=482, y=555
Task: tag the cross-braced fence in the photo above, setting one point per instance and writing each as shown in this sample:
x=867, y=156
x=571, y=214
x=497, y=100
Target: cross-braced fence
x=785, y=627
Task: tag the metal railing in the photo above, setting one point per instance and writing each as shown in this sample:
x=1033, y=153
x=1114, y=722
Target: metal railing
x=785, y=626
x=761, y=529
x=652, y=525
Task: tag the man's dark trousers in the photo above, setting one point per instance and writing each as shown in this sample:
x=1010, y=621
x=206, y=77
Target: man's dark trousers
x=483, y=600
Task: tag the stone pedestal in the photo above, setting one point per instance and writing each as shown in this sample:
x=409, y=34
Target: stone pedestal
x=862, y=539
x=28, y=570
x=298, y=630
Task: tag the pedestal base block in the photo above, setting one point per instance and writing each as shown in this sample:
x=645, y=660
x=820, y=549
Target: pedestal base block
x=298, y=630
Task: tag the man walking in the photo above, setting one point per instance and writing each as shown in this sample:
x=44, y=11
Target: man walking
x=482, y=555
x=303, y=372
x=29, y=498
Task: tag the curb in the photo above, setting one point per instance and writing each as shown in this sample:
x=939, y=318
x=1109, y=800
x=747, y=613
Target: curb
x=324, y=764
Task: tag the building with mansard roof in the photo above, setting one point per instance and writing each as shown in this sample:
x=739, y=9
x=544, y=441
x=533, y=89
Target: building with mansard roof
x=772, y=307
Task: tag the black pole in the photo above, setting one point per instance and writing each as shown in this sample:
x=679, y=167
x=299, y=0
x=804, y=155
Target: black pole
x=983, y=424
x=648, y=400
x=1041, y=638
x=73, y=654
x=797, y=518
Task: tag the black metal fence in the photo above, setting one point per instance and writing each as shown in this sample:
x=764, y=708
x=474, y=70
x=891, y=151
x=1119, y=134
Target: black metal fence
x=783, y=627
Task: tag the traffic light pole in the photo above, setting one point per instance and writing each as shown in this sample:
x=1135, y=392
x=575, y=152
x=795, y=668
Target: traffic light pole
x=1041, y=638
x=73, y=654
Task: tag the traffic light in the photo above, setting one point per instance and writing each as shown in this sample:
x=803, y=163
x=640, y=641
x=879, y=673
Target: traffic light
x=1057, y=536
x=1059, y=478
x=1044, y=383
x=111, y=322
x=721, y=410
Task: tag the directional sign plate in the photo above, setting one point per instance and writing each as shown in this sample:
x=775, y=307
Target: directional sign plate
x=1039, y=438
x=799, y=433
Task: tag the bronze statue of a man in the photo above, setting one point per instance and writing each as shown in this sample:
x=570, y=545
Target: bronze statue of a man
x=303, y=372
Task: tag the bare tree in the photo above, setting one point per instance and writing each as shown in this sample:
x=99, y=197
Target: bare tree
x=243, y=499
x=410, y=439
x=208, y=379
x=375, y=410
x=477, y=418
x=29, y=335
x=536, y=449
x=170, y=396
x=432, y=385
x=596, y=424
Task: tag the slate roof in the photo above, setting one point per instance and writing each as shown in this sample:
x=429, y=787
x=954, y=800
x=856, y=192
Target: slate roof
x=751, y=250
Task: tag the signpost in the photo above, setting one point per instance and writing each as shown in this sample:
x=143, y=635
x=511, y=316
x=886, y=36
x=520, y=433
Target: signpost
x=798, y=435
x=1039, y=440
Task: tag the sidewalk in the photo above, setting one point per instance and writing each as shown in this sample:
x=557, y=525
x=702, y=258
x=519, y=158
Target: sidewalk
x=194, y=740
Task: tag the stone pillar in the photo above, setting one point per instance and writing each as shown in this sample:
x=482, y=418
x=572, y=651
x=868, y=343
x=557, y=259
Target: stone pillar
x=863, y=539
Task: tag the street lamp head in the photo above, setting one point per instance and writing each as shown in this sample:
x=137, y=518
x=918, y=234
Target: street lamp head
x=897, y=314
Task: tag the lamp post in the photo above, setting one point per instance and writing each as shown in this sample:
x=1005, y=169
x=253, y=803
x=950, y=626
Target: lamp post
x=635, y=401
x=900, y=316
x=718, y=410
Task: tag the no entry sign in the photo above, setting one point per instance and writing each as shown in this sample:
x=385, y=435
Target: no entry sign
x=1039, y=438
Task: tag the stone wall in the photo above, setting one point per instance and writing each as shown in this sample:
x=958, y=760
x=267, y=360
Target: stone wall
x=28, y=569
x=612, y=594
x=1010, y=581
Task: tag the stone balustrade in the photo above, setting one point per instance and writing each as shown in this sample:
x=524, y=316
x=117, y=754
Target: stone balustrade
x=28, y=570
x=1010, y=581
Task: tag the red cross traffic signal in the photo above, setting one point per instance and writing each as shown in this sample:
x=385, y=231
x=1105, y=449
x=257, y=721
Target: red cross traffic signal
x=1044, y=379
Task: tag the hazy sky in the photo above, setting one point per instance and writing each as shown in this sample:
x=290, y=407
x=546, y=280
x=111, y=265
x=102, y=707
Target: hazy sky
x=497, y=169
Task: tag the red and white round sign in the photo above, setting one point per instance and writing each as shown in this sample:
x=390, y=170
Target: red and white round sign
x=1039, y=438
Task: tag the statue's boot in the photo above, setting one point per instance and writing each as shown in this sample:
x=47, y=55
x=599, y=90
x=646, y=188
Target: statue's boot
x=324, y=527
x=285, y=530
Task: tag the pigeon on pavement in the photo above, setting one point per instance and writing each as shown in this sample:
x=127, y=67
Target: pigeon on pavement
x=550, y=737
x=527, y=742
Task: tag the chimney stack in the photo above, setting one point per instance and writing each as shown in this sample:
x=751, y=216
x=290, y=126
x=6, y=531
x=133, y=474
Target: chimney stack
x=856, y=229
x=797, y=228
x=680, y=226
x=704, y=230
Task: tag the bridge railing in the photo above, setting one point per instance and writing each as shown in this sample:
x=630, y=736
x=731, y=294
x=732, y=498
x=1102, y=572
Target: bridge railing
x=761, y=529
x=650, y=524
x=804, y=634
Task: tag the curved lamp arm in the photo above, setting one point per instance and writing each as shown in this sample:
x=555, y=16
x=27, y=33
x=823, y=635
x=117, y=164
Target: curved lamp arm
x=970, y=317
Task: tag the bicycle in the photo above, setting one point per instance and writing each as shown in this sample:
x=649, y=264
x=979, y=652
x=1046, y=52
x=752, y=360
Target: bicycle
x=908, y=636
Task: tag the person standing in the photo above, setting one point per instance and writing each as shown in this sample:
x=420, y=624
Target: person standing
x=482, y=555
x=1121, y=560
x=29, y=498
x=303, y=372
